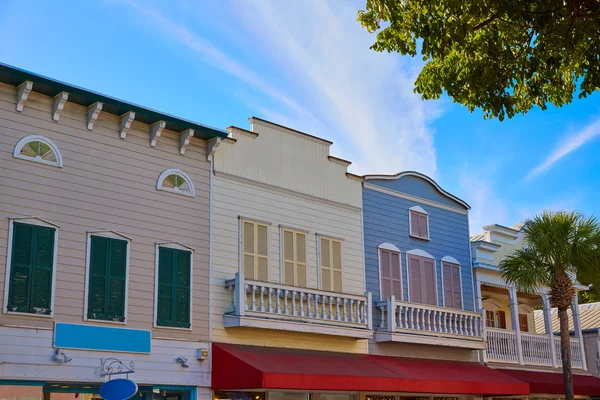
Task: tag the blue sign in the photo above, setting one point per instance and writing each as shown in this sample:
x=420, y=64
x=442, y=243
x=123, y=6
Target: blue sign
x=118, y=389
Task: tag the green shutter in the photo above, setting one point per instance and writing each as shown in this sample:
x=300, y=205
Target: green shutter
x=174, y=276
x=108, y=271
x=32, y=263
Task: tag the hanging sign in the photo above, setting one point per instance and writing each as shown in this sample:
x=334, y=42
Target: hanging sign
x=118, y=389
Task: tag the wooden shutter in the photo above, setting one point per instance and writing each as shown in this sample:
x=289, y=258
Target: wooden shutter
x=523, y=323
x=32, y=264
x=331, y=264
x=294, y=258
x=174, y=288
x=414, y=276
x=108, y=271
x=414, y=224
x=255, y=250
x=452, y=289
x=390, y=274
x=428, y=281
x=422, y=280
x=501, y=319
x=423, y=228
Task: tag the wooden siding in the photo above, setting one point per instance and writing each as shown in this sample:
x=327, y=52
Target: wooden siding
x=386, y=221
x=418, y=187
x=26, y=354
x=286, y=159
x=106, y=184
x=234, y=197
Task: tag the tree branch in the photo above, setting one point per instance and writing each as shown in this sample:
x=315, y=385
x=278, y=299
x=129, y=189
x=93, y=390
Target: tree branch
x=486, y=22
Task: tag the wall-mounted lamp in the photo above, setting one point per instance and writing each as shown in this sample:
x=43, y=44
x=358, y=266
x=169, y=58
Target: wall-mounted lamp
x=202, y=354
x=60, y=356
x=182, y=361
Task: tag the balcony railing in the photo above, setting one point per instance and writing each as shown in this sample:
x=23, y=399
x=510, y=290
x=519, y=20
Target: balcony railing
x=502, y=347
x=411, y=318
x=302, y=307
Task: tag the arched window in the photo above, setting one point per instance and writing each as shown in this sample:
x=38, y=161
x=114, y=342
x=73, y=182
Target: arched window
x=38, y=149
x=176, y=181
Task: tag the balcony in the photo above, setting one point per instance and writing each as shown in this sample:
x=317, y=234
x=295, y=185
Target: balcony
x=275, y=306
x=534, y=349
x=425, y=324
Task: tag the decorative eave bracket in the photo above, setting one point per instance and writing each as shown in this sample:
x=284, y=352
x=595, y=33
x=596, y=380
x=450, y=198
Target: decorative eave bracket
x=92, y=114
x=211, y=147
x=155, y=132
x=59, y=103
x=184, y=139
x=23, y=93
x=125, y=124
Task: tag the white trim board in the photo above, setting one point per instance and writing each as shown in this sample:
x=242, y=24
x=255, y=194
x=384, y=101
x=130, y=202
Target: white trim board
x=414, y=198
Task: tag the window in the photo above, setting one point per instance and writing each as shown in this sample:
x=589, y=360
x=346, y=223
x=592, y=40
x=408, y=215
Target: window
x=523, y=323
x=32, y=261
x=419, y=222
x=495, y=319
x=176, y=181
x=331, y=264
x=38, y=149
x=294, y=257
x=389, y=265
x=107, y=278
x=421, y=278
x=452, y=288
x=174, y=282
x=255, y=257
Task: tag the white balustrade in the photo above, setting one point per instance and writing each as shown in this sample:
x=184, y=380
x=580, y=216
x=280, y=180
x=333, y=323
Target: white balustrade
x=502, y=345
x=576, y=356
x=257, y=298
x=398, y=315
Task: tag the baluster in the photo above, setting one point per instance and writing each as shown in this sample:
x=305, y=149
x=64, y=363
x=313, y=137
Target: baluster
x=252, y=300
x=383, y=319
x=294, y=303
x=269, y=302
x=363, y=312
x=232, y=298
x=344, y=315
x=436, y=317
x=460, y=323
x=285, y=302
x=330, y=307
x=444, y=321
x=337, y=308
x=301, y=296
x=468, y=319
x=261, y=293
x=402, y=317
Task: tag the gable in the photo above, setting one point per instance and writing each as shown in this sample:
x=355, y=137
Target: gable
x=415, y=185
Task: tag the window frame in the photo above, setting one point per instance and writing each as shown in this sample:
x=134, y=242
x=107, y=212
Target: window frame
x=418, y=210
x=110, y=234
x=30, y=220
x=319, y=278
x=295, y=231
x=38, y=138
x=241, y=252
x=174, y=171
x=452, y=260
x=177, y=246
x=391, y=248
x=422, y=254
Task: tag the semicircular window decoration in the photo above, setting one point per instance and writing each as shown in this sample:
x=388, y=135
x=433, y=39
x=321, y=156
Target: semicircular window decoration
x=38, y=149
x=176, y=181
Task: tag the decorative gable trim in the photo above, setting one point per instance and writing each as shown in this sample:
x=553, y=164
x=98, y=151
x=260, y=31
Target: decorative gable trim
x=388, y=246
x=421, y=176
x=420, y=253
x=418, y=209
x=450, y=259
x=109, y=233
x=492, y=304
x=43, y=221
x=176, y=245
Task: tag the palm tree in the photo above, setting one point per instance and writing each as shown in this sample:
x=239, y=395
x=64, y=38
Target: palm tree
x=557, y=247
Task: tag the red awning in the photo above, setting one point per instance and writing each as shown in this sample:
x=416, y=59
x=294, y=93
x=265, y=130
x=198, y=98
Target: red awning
x=552, y=383
x=237, y=367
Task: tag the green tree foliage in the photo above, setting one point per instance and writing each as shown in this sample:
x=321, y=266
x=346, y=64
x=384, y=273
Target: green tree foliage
x=503, y=57
x=557, y=247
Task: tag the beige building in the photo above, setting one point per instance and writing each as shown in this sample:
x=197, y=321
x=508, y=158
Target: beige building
x=104, y=242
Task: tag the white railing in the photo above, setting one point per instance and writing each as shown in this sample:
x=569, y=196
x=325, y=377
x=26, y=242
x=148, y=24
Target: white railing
x=502, y=345
x=425, y=318
x=535, y=348
x=576, y=356
x=267, y=299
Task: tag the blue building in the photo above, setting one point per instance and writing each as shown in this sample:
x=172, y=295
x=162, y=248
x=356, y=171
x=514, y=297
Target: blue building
x=418, y=267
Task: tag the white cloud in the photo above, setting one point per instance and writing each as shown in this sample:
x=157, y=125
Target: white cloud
x=327, y=81
x=568, y=146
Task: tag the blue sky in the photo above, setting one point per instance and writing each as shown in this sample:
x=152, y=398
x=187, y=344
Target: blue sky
x=307, y=64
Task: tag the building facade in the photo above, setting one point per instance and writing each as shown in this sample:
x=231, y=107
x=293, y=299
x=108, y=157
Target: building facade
x=104, y=242
x=522, y=339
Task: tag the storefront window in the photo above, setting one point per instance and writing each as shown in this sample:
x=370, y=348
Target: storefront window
x=287, y=396
x=334, y=396
x=380, y=397
x=414, y=398
x=239, y=396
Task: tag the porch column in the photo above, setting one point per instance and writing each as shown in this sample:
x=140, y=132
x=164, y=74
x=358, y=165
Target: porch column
x=577, y=329
x=479, y=305
x=514, y=319
x=548, y=325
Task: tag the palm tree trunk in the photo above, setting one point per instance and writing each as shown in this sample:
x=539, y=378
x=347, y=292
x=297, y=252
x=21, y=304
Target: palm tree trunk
x=565, y=352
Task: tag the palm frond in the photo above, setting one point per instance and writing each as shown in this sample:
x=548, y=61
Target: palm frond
x=526, y=270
